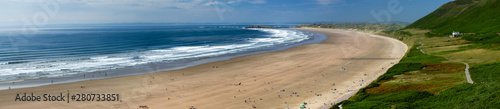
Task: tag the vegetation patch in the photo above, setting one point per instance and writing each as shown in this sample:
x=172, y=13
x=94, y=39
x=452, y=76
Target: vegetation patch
x=462, y=16
x=443, y=68
x=400, y=69
x=479, y=96
x=389, y=88
x=475, y=56
x=432, y=78
x=486, y=73
x=415, y=56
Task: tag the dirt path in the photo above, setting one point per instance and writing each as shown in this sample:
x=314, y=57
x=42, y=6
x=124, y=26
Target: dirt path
x=467, y=74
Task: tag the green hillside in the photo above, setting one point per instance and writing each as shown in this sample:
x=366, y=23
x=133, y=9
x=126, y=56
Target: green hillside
x=478, y=19
x=430, y=77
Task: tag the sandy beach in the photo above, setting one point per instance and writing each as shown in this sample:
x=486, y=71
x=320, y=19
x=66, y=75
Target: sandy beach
x=318, y=74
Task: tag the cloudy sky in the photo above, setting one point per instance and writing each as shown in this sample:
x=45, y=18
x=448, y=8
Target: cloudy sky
x=212, y=11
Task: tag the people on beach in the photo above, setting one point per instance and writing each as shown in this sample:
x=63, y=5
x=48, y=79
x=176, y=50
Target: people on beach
x=144, y=107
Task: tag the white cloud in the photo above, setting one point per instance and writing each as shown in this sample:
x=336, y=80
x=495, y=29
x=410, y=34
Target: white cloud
x=95, y=11
x=232, y=2
x=148, y=3
x=328, y=2
x=166, y=3
x=183, y=4
x=256, y=1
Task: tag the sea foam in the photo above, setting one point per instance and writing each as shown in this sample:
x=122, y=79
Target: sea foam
x=58, y=67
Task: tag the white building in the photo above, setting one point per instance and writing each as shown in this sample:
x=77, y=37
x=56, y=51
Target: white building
x=454, y=34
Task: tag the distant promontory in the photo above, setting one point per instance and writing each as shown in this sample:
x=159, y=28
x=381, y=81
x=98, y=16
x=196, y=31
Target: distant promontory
x=260, y=26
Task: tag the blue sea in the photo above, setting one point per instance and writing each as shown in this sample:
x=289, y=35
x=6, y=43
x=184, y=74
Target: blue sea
x=62, y=50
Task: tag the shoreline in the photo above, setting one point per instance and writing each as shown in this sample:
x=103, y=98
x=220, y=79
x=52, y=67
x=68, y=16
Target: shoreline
x=147, y=68
x=243, y=82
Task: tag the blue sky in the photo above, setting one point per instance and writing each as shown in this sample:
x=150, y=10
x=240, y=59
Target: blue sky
x=212, y=11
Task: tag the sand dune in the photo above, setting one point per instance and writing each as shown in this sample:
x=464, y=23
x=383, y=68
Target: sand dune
x=309, y=70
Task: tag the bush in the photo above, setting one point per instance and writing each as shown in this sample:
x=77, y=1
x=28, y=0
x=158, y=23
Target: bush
x=402, y=99
x=400, y=69
x=415, y=56
x=486, y=73
x=402, y=96
x=481, y=96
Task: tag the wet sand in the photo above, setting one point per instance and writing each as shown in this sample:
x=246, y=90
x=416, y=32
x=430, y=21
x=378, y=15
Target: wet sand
x=312, y=71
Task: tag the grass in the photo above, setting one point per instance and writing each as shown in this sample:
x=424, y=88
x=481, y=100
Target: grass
x=433, y=78
x=430, y=81
x=463, y=16
x=480, y=96
x=486, y=73
x=417, y=76
x=456, y=48
x=408, y=39
x=439, y=84
x=415, y=56
x=474, y=56
x=398, y=99
x=440, y=44
x=400, y=69
x=445, y=49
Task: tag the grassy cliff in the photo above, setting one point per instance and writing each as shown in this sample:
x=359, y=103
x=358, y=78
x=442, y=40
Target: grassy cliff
x=478, y=19
x=433, y=79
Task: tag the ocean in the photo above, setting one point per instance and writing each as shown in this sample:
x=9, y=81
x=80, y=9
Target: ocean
x=72, y=50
